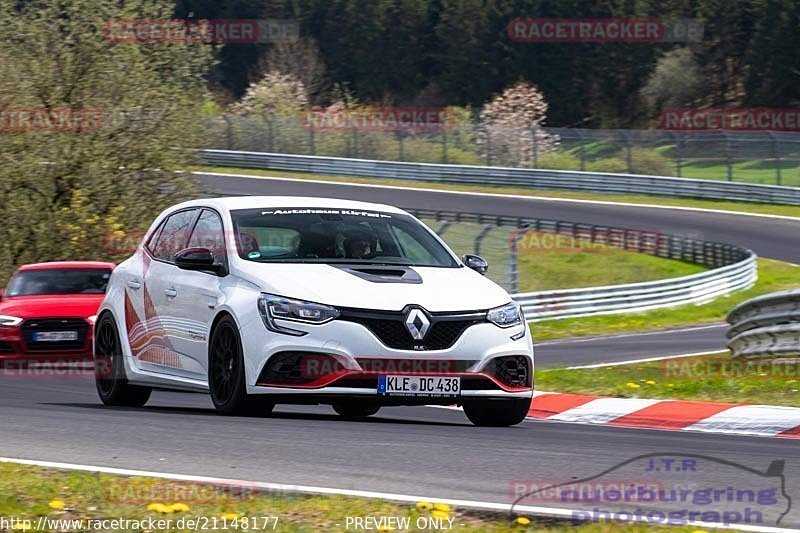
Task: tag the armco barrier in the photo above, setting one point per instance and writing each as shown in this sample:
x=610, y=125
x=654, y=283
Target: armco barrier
x=732, y=268
x=766, y=325
x=509, y=177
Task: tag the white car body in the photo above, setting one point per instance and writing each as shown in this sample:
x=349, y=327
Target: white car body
x=165, y=314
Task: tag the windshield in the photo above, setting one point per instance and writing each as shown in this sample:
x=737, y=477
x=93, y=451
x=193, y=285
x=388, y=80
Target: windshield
x=59, y=281
x=306, y=235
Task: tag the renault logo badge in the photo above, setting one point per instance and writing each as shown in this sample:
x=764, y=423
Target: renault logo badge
x=417, y=324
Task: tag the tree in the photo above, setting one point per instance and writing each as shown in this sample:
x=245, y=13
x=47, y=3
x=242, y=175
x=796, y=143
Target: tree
x=511, y=125
x=677, y=81
x=276, y=94
x=300, y=59
x=114, y=122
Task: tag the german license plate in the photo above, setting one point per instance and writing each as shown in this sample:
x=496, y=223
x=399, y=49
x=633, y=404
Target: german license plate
x=425, y=386
x=55, y=336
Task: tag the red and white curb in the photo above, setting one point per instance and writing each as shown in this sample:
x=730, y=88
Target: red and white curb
x=675, y=415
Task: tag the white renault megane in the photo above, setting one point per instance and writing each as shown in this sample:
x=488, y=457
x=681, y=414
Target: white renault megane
x=265, y=300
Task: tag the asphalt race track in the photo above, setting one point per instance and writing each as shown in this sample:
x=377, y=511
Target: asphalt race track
x=416, y=451
x=630, y=347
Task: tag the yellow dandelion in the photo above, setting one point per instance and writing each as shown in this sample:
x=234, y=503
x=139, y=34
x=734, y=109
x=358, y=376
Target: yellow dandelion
x=442, y=507
x=632, y=385
x=21, y=526
x=180, y=507
x=57, y=505
x=670, y=384
x=424, y=506
x=440, y=514
x=384, y=527
x=609, y=368
x=159, y=508
x=650, y=382
x=522, y=521
x=230, y=516
x=792, y=381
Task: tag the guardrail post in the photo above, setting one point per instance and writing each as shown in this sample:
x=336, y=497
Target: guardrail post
x=678, y=153
x=628, y=149
x=512, y=272
x=776, y=150
x=535, y=139
x=479, y=238
x=728, y=156
x=401, y=154
x=270, y=144
x=488, y=147
x=228, y=132
x=444, y=147
x=581, y=149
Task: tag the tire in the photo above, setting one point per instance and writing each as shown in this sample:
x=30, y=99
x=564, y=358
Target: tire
x=226, y=377
x=497, y=413
x=356, y=409
x=110, y=379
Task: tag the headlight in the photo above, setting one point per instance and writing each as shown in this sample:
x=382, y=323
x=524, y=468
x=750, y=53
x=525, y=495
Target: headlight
x=92, y=319
x=505, y=316
x=274, y=307
x=9, y=321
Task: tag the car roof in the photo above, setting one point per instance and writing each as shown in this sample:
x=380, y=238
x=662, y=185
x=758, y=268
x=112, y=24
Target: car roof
x=53, y=265
x=256, y=202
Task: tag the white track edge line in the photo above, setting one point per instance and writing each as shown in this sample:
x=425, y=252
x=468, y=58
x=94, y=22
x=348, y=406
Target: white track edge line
x=646, y=360
x=519, y=509
x=501, y=195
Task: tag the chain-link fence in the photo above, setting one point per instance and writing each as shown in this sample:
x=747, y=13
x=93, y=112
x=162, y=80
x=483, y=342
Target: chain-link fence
x=753, y=157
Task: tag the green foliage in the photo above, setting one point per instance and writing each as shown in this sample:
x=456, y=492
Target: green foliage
x=62, y=191
x=396, y=51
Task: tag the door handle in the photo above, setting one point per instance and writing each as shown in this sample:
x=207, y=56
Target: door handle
x=171, y=293
x=134, y=284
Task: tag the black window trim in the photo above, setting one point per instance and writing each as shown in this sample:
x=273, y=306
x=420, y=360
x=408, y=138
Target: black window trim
x=157, y=233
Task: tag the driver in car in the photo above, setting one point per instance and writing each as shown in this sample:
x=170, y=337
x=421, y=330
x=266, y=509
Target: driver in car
x=358, y=246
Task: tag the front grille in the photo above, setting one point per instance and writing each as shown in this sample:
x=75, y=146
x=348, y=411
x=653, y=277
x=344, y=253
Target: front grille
x=390, y=328
x=29, y=327
x=414, y=366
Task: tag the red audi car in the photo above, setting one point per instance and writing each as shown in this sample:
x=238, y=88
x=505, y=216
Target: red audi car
x=47, y=311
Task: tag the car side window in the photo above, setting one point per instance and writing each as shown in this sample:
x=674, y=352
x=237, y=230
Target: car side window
x=174, y=235
x=208, y=233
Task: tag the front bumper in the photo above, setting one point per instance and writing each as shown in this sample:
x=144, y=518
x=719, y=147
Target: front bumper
x=15, y=347
x=352, y=346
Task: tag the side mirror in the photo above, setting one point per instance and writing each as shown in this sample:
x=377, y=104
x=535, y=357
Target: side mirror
x=200, y=259
x=476, y=263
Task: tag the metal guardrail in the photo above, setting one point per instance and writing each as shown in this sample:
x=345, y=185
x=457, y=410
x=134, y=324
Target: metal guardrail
x=509, y=177
x=766, y=325
x=732, y=268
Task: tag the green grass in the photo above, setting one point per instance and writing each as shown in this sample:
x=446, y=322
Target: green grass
x=31, y=492
x=746, y=207
x=747, y=172
x=715, y=378
x=547, y=261
x=772, y=276
x=575, y=269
